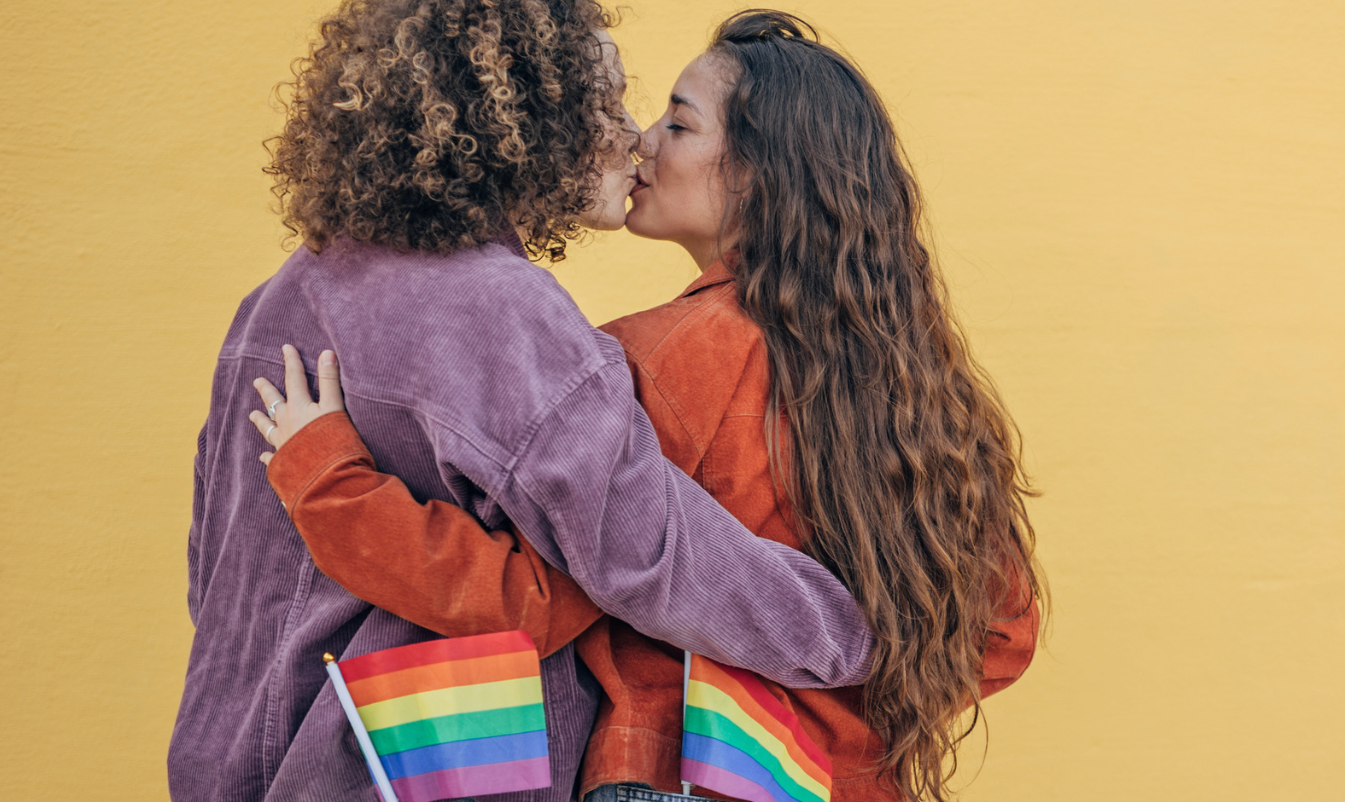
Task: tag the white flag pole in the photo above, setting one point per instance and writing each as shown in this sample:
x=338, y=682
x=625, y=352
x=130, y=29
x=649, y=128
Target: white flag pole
x=686, y=686
x=361, y=734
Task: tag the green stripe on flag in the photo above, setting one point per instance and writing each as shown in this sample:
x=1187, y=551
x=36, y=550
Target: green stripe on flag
x=459, y=727
x=713, y=725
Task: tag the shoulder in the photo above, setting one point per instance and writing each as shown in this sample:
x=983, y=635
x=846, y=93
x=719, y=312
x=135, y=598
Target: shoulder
x=706, y=327
x=485, y=298
x=700, y=355
x=484, y=285
x=481, y=341
x=372, y=298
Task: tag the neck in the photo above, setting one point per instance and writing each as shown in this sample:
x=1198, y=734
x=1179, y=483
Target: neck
x=708, y=252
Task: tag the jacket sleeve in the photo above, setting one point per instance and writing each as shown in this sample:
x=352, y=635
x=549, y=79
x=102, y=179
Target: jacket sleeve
x=432, y=564
x=1012, y=641
x=594, y=494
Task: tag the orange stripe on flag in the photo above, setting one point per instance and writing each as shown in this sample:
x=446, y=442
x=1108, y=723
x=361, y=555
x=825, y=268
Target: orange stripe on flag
x=452, y=674
x=755, y=686
x=796, y=741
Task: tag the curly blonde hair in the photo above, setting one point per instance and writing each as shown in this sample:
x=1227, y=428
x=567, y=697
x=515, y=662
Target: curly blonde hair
x=430, y=125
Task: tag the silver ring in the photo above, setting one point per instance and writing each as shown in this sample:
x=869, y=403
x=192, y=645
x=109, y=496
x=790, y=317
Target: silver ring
x=267, y=436
x=271, y=410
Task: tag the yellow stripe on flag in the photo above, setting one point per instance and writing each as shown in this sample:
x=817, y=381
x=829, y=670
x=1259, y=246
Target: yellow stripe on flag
x=706, y=696
x=449, y=701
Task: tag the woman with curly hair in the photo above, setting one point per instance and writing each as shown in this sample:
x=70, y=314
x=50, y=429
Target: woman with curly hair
x=814, y=381
x=430, y=146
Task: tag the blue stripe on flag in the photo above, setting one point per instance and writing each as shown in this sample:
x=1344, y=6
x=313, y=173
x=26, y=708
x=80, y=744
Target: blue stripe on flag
x=731, y=759
x=459, y=754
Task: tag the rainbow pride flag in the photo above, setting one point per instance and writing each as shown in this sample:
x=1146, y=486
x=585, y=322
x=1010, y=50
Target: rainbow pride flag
x=449, y=718
x=740, y=741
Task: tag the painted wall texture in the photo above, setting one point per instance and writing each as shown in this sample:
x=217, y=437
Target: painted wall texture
x=1140, y=209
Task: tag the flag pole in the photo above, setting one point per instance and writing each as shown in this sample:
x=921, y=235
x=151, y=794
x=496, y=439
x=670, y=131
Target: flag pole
x=686, y=686
x=361, y=734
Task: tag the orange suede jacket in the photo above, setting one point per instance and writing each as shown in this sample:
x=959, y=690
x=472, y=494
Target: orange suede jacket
x=701, y=373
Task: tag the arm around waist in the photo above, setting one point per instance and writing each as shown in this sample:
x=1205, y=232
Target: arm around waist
x=433, y=563
x=593, y=492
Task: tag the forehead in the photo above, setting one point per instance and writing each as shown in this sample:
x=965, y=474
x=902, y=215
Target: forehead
x=703, y=82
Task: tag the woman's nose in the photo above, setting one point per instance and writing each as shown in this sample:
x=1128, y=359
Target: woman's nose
x=646, y=148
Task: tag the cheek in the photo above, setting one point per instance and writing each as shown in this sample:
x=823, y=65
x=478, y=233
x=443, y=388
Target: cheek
x=686, y=183
x=686, y=199
x=611, y=210
x=700, y=193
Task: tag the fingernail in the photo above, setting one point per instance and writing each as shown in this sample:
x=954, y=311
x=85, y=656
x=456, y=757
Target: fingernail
x=327, y=358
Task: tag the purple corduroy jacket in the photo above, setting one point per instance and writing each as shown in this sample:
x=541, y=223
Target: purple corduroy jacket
x=475, y=379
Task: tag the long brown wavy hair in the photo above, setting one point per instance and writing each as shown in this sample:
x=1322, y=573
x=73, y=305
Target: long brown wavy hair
x=431, y=124
x=904, y=468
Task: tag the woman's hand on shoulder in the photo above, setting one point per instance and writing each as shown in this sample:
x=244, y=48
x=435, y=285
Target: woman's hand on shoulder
x=287, y=414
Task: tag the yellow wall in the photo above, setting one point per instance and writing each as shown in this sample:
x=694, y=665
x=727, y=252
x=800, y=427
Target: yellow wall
x=1139, y=205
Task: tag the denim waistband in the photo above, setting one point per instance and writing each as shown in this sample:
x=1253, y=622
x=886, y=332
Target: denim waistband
x=635, y=792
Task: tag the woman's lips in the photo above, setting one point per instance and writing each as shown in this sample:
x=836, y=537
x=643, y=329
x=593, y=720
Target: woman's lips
x=640, y=183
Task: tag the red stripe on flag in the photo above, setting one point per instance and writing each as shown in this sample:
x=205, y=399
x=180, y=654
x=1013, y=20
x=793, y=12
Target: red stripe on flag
x=435, y=651
x=749, y=683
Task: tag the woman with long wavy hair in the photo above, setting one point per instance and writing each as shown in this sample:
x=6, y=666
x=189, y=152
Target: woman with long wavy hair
x=899, y=462
x=814, y=381
x=885, y=450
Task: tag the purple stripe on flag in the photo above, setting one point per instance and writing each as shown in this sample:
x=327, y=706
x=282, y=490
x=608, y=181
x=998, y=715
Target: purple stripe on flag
x=491, y=778
x=725, y=782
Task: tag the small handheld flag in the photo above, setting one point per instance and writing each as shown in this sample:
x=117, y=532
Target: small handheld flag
x=361, y=734
x=738, y=740
x=449, y=718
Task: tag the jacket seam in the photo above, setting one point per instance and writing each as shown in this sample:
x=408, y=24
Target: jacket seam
x=270, y=728
x=317, y=473
x=529, y=431
x=677, y=411
x=700, y=307
x=535, y=425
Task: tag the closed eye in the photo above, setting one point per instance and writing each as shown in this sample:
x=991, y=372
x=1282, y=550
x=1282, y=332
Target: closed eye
x=675, y=127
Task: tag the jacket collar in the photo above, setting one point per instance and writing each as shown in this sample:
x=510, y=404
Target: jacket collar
x=717, y=273
x=508, y=237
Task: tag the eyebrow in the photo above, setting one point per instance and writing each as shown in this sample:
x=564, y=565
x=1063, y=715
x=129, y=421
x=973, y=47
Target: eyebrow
x=678, y=100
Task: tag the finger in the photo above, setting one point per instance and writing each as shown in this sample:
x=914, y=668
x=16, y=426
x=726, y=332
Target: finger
x=329, y=383
x=263, y=424
x=268, y=429
x=270, y=395
x=266, y=457
x=296, y=382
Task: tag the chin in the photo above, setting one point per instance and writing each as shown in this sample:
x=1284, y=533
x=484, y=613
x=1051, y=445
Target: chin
x=638, y=224
x=614, y=221
x=604, y=222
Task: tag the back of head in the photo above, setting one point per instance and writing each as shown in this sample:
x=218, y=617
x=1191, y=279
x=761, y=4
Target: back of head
x=903, y=466
x=431, y=124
